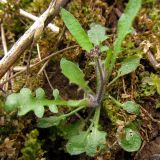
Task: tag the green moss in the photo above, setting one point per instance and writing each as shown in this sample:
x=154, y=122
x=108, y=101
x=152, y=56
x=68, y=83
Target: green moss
x=149, y=2
x=86, y=13
x=111, y=110
x=146, y=87
x=33, y=82
x=32, y=147
x=25, y=3
x=38, y=6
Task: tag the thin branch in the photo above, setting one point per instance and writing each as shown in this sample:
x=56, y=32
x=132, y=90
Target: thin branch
x=55, y=47
x=38, y=63
x=29, y=58
x=4, y=40
x=146, y=49
x=113, y=81
x=45, y=73
x=152, y=60
x=20, y=68
x=25, y=41
x=4, y=44
x=51, y=26
x=43, y=67
x=150, y=116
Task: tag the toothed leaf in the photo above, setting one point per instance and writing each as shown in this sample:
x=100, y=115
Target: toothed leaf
x=89, y=142
x=74, y=74
x=97, y=34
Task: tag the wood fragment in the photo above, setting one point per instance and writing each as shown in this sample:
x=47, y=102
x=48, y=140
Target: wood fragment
x=51, y=26
x=25, y=41
x=4, y=44
x=152, y=60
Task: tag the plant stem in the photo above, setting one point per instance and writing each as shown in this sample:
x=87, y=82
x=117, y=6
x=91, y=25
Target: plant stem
x=89, y=116
x=71, y=103
x=100, y=76
x=74, y=111
x=110, y=83
x=96, y=116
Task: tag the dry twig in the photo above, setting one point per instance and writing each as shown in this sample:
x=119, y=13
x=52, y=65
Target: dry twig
x=44, y=71
x=146, y=48
x=55, y=47
x=26, y=40
x=38, y=63
x=150, y=116
x=51, y=26
x=4, y=44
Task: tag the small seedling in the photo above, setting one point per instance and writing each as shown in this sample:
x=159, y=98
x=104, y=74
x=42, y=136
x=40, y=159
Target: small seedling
x=85, y=136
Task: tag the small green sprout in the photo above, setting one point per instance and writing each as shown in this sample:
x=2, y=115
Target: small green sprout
x=87, y=138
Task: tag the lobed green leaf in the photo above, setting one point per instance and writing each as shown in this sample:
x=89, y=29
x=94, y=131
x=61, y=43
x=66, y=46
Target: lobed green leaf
x=88, y=142
x=25, y=102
